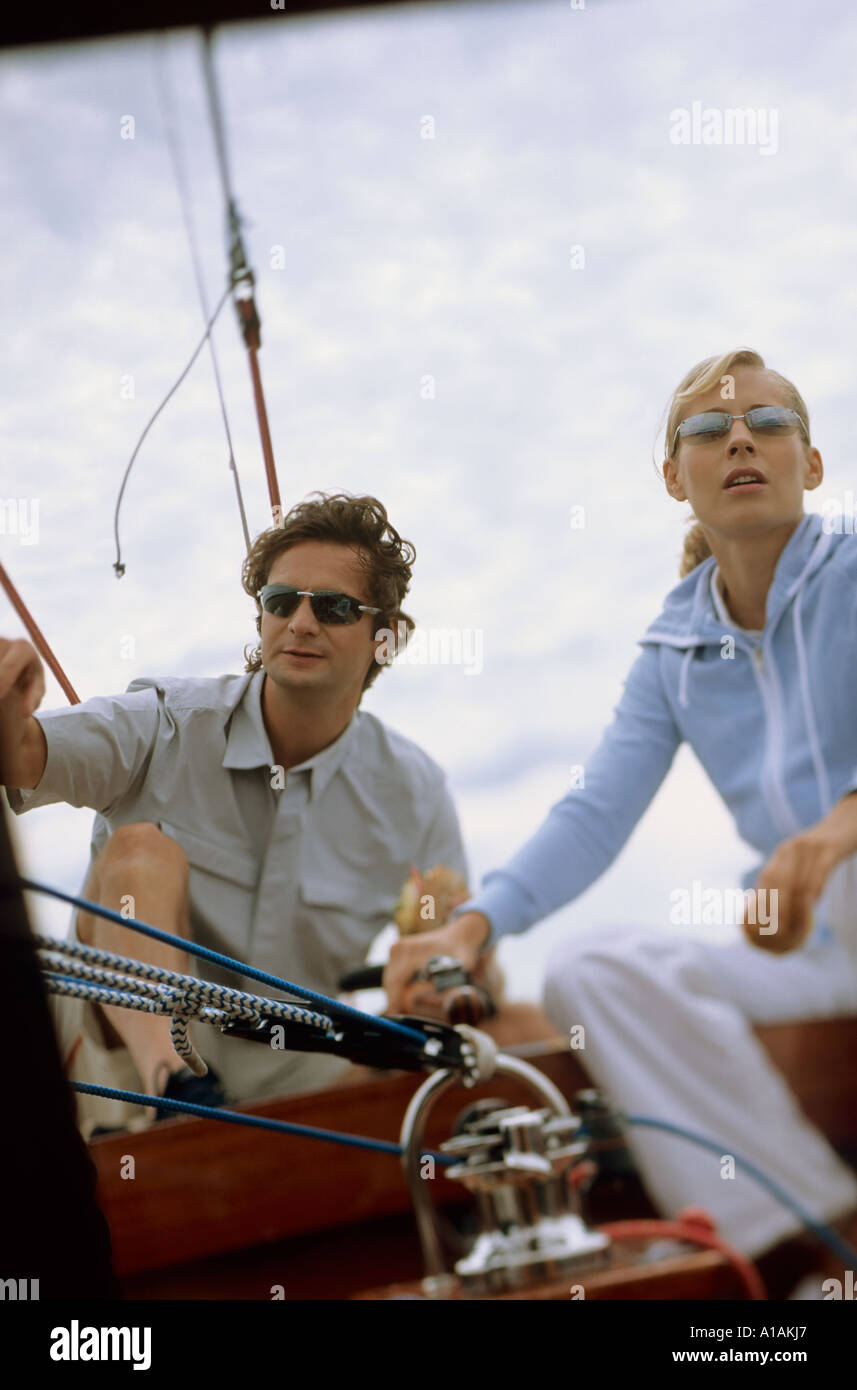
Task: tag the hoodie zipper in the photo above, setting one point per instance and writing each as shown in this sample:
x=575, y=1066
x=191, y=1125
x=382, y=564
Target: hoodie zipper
x=772, y=781
x=772, y=785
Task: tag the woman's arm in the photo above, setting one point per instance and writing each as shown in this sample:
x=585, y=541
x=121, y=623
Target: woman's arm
x=585, y=830
x=580, y=837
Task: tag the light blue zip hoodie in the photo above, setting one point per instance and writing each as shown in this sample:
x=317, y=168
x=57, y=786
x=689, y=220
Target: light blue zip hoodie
x=772, y=719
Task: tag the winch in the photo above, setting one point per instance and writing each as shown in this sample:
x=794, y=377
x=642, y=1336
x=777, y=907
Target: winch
x=516, y=1161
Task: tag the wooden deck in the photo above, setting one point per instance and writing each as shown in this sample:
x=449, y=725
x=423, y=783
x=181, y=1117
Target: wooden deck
x=218, y=1210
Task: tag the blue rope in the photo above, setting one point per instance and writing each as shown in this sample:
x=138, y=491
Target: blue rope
x=233, y=1117
x=227, y=963
x=826, y=1234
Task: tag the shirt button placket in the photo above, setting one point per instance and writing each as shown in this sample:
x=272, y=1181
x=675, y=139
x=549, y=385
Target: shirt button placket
x=277, y=902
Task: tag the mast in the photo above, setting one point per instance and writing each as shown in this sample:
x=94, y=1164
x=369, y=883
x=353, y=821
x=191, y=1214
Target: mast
x=241, y=278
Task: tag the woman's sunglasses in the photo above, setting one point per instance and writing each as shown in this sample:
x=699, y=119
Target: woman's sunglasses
x=714, y=424
x=281, y=600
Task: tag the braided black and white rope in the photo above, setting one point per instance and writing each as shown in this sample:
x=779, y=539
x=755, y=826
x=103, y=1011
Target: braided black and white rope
x=102, y=977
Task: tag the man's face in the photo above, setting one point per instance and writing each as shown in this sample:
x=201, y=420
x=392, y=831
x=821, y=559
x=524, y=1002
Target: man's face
x=699, y=470
x=300, y=653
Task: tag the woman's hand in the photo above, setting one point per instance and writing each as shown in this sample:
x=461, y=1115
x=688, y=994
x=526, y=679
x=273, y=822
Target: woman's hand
x=793, y=879
x=461, y=938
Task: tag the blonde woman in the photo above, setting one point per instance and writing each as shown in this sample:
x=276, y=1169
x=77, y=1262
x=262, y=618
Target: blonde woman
x=753, y=661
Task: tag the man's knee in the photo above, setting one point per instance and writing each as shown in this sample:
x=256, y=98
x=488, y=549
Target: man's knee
x=133, y=849
x=141, y=845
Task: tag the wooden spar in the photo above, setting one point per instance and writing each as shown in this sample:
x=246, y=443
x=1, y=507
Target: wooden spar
x=39, y=640
x=251, y=329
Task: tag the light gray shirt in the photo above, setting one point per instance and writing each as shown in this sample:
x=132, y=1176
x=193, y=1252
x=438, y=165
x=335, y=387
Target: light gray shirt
x=296, y=881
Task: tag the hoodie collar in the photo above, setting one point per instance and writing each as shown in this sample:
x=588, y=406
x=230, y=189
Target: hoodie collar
x=689, y=617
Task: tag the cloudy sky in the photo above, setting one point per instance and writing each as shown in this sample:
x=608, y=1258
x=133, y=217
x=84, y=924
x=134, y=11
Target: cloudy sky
x=415, y=182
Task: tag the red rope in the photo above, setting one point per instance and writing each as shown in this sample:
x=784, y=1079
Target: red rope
x=695, y=1225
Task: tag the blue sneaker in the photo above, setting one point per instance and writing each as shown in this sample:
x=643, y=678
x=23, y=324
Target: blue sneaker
x=195, y=1090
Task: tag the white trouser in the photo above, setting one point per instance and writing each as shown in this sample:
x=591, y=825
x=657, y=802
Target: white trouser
x=667, y=1034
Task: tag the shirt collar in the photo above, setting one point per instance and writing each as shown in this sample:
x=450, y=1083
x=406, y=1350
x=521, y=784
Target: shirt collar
x=248, y=745
x=325, y=764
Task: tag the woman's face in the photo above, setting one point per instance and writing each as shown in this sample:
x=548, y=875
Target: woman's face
x=699, y=470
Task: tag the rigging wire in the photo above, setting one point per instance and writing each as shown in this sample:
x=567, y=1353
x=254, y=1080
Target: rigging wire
x=216, y=119
x=183, y=187
x=118, y=566
x=240, y=285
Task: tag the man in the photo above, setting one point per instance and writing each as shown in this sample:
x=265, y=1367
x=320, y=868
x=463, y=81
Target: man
x=264, y=815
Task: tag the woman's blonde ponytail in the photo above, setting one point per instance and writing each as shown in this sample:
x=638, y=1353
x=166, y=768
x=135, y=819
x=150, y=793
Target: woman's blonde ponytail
x=696, y=549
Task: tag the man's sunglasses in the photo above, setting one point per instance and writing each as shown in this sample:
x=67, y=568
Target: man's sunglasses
x=281, y=600
x=714, y=424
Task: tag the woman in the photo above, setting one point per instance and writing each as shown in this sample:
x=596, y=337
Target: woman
x=754, y=662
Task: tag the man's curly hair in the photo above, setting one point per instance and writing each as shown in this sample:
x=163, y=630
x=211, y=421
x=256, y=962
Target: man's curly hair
x=358, y=522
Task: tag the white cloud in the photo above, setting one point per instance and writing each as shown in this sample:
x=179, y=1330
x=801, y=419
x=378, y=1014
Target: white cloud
x=406, y=257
